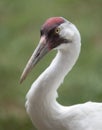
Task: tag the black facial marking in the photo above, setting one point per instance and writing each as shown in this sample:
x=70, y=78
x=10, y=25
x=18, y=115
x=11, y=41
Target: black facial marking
x=56, y=40
x=41, y=32
x=53, y=38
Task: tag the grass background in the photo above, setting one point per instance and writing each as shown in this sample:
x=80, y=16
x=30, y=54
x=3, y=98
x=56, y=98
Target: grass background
x=20, y=22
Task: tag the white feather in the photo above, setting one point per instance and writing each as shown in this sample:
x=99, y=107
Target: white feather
x=45, y=112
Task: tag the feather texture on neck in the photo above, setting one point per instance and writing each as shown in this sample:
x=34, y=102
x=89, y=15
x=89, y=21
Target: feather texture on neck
x=41, y=98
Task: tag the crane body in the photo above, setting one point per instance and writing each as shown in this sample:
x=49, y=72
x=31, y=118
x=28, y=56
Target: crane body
x=45, y=112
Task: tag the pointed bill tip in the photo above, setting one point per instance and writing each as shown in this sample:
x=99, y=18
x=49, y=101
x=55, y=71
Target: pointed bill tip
x=22, y=79
x=23, y=76
x=27, y=69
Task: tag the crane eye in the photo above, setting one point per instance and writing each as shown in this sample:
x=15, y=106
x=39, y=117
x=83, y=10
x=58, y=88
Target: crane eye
x=57, y=30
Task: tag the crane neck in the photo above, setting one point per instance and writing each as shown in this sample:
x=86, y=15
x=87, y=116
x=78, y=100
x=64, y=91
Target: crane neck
x=61, y=65
x=49, y=81
x=41, y=98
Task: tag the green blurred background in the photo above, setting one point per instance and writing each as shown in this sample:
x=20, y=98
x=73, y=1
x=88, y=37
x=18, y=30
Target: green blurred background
x=20, y=21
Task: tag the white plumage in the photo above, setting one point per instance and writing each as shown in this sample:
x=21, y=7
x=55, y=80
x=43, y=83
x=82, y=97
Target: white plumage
x=45, y=112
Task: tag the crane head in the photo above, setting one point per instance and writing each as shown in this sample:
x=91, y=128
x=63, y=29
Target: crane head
x=55, y=33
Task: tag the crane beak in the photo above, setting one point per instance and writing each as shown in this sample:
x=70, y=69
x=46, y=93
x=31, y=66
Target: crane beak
x=39, y=52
